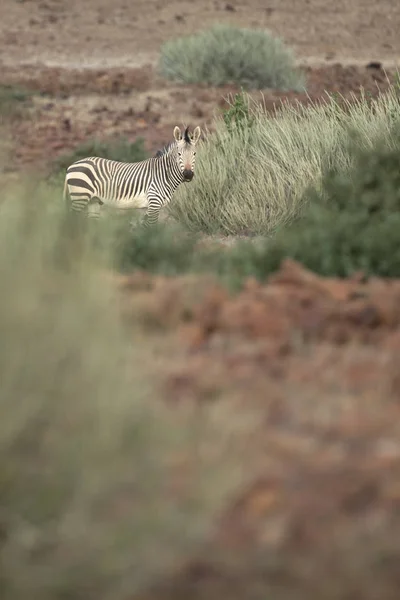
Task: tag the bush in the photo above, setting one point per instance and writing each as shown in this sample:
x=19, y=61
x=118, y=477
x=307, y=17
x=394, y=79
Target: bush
x=119, y=149
x=14, y=101
x=352, y=220
x=89, y=452
x=162, y=249
x=226, y=54
x=251, y=179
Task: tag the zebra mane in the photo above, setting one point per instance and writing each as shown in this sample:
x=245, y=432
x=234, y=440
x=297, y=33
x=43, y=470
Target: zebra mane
x=164, y=150
x=186, y=136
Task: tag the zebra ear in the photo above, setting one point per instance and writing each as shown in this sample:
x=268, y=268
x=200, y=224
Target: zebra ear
x=196, y=135
x=177, y=133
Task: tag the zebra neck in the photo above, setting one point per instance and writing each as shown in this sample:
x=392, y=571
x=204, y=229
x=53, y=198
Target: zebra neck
x=173, y=171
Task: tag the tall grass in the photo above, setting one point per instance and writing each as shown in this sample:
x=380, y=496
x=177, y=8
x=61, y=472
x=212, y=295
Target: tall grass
x=102, y=487
x=252, y=179
x=352, y=220
x=223, y=54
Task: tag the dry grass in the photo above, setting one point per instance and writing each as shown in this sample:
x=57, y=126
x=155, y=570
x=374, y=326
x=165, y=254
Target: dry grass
x=252, y=180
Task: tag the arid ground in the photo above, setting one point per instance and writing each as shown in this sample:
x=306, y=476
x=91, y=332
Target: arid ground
x=96, y=66
x=319, y=359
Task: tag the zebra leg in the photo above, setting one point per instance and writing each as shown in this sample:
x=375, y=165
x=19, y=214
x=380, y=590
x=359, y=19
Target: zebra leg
x=136, y=220
x=153, y=210
x=76, y=211
x=79, y=203
x=73, y=229
x=94, y=209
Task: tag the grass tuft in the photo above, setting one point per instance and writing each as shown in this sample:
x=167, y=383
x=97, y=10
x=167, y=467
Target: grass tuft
x=351, y=221
x=251, y=179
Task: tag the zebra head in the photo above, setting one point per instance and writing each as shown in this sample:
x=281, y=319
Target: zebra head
x=186, y=151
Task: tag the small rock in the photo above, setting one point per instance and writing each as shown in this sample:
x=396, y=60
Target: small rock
x=374, y=65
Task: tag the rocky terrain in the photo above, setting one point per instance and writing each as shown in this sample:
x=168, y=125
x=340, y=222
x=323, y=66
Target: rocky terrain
x=94, y=71
x=316, y=360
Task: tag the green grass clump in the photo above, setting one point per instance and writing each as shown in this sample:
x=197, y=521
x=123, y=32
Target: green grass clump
x=251, y=179
x=119, y=149
x=89, y=453
x=227, y=54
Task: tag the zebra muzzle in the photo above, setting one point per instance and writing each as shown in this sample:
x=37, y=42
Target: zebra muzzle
x=188, y=175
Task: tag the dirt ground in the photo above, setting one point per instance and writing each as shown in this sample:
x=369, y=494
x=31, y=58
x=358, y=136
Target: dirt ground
x=96, y=67
x=317, y=358
x=129, y=33
x=317, y=361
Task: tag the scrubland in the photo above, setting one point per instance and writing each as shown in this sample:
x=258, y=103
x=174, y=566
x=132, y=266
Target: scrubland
x=210, y=408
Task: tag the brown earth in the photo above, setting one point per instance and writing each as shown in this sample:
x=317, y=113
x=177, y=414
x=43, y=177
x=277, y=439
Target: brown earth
x=317, y=360
x=129, y=33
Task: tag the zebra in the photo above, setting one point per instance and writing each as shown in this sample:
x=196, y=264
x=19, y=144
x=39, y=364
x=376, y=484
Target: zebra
x=149, y=184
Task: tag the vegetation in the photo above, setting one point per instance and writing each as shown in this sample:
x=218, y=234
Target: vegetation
x=253, y=171
x=352, y=221
x=170, y=250
x=227, y=54
x=349, y=222
x=89, y=452
x=329, y=172
x=13, y=101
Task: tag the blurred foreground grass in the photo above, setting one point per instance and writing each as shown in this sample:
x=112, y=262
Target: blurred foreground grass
x=103, y=488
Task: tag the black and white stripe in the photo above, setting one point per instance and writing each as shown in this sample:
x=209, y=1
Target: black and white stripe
x=149, y=184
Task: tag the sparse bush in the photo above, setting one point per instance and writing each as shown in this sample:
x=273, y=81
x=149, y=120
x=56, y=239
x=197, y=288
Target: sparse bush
x=225, y=54
x=14, y=101
x=170, y=250
x=93, y=499
x=118, y=149
x=252, y=180
x=162, y=249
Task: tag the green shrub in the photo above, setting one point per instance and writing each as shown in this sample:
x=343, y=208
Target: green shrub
x=226, y=54
x=89, y=452
x=352, y=220
x=162, y=249
x=251, y=179
x=238, y=118
x=119, y=149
